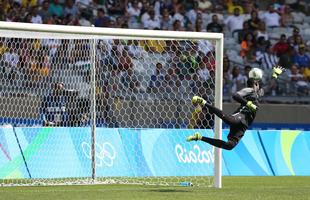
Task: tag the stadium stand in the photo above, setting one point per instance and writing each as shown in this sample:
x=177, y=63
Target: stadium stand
x=252, y=31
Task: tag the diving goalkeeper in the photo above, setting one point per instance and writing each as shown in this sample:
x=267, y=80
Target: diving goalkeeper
x=242, y=118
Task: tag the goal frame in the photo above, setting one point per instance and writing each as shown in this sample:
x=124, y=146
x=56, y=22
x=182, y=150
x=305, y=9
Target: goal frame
x=94, y=32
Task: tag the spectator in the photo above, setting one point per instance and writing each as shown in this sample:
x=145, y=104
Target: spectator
x=116, y=7
x=292, y=39
x=177, y=26
x=159, y=6
x=203, y=72
x=28, y=3
x=71, y=8
x=146, y=16
x=204, y=5
x=232, y=5
x=44, y=11
x=153, y=22
x=209, y=60
x=281, y=47
x=28, y=18
x=261, y=31
x=128, y=78
x=235, y=22
x=166, y=21
x=245, y=30
x=135, y=50
x=248, y=47
x=40, y=67
x=157, y=79
x=71, y=20
x=3, y=47
x=300, y=58
x=53, y=109
x=215, y=26
x=287, y=19
x=237, y=79
x=199, y=27
x=134, y=12
x=11, y=61
x=36, y=18
x=286, y=59
x=226, y=76
x=268, y=59
x=84, y=19
x=102, y=20
x=178, y=15
x=55, y=8
x=254, y=21
x=298, y=85
x=172, y=79
x=271, y=18
x=192, y=14
x=306, y=73
x=52, y=45
x=298, y=42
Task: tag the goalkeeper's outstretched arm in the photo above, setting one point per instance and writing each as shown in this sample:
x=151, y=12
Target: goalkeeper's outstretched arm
x=276, y=72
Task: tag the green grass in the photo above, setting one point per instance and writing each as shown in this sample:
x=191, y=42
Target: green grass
x=239, y=188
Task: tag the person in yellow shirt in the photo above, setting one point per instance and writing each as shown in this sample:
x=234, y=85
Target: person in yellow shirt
x=231, y=5
x=3, y=48
x=29, y=3
x=153, y=45
x=307, y=72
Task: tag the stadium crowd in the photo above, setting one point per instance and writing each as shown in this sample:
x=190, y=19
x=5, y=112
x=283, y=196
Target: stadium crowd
x=257, y=34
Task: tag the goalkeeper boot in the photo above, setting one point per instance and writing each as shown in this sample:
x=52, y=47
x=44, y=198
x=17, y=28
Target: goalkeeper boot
x=195, y=137
x=198, y=100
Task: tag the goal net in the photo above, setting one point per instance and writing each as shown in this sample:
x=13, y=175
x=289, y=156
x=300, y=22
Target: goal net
x=87, y=105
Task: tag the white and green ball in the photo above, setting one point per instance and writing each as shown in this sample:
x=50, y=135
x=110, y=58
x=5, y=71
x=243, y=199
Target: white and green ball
x=256, y=74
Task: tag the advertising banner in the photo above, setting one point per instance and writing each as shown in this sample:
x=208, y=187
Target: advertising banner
x=123, y=152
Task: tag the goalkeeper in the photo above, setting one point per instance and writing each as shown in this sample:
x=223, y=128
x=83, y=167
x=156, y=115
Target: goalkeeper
x=242, y=118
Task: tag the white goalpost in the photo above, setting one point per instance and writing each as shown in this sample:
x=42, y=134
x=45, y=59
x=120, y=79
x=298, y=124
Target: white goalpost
x=104, y=105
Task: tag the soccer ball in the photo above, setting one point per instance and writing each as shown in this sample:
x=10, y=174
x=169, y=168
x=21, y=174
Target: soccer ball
x=256, y=74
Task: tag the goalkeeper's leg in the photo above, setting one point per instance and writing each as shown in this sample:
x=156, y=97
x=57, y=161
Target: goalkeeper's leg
x=228, y=145
x=228, y=119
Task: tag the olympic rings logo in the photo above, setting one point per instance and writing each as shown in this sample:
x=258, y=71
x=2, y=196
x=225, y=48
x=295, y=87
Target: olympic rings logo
x=105, y=153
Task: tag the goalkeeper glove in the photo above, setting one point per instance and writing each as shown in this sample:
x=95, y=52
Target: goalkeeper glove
x=276, y=71
x=251, y=106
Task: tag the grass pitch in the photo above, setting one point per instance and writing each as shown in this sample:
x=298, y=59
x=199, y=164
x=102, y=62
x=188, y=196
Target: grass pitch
x=238, y=188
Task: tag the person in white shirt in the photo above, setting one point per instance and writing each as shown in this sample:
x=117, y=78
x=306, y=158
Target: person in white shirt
x=204, y=5
x=36, y=18
x=146, y=15
x=11, y=59
x=135, y=50
x=235, y=22
x=178, y=15
x=134, y=10
x=153, y=22
x=261, y=32
x=166, y=20
x=192, y=14
x=238, y=80
x=203, y=72
x=271, y=18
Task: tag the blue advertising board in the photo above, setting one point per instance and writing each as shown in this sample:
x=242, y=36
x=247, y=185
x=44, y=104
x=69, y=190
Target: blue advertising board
x=122, y=152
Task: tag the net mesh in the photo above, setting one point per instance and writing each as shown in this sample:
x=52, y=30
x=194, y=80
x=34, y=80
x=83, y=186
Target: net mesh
x=46, y=81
